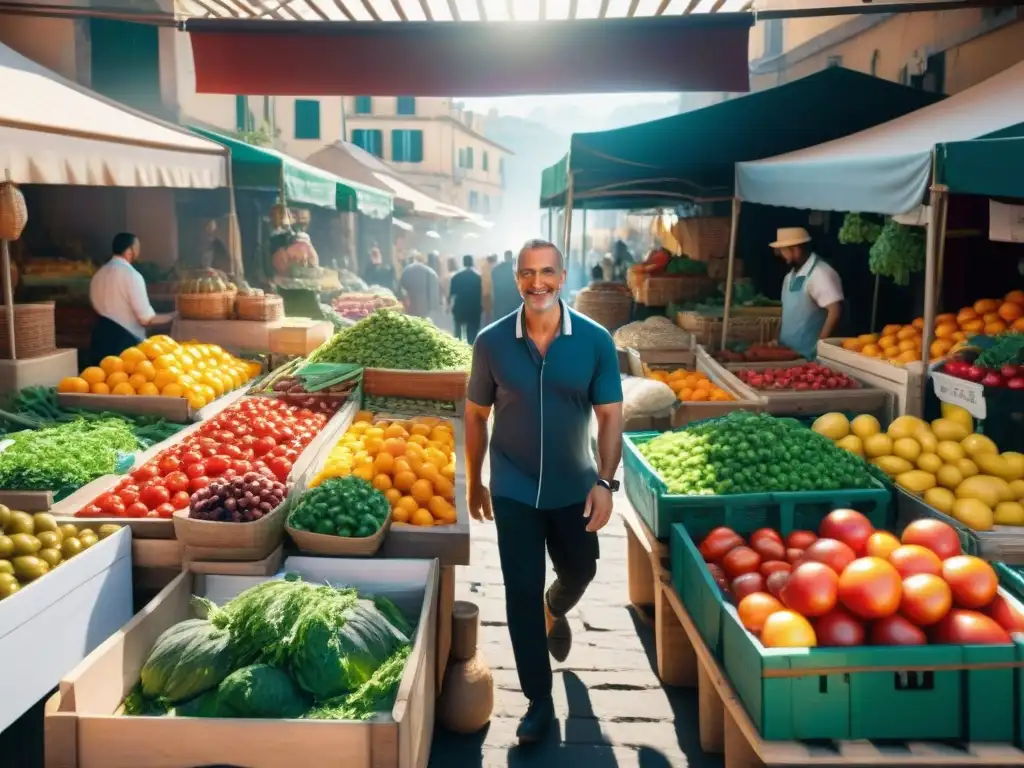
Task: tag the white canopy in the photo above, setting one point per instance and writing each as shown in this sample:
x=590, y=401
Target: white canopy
x=53, y=131
x=884, y=169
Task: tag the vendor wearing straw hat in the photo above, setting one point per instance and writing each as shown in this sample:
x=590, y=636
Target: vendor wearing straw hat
x=812, y=294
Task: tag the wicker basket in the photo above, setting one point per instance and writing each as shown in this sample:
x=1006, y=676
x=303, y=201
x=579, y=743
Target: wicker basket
x=206, y=306
x=267, y=307
x=704, y=238
x=660, y=291
x=707, y=331
x=35, y=330
x=13, y=211
x=608, y=308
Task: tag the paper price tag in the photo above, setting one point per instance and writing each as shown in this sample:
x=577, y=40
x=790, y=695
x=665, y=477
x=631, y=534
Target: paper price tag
x=967, y=394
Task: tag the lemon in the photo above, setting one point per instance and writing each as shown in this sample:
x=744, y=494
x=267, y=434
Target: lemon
x=906, y=448
x=905, y=426
x=946, y=429
x=877, y=445
x=949, y=476
x=834, y=426
x=928, y=442
x=950, y=451
x=929, y=462
x=173, y=390
x=959, y=415
x=967, y=467
x=893, y=465
x=1009, y=513
x=940, y=498
x=976, y=444
x=974, y=514
x=916, y=481
x=850, y=443
x=865, y=425
x=1017, y=489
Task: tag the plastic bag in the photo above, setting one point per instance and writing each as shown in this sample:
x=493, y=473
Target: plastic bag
x=646, y=397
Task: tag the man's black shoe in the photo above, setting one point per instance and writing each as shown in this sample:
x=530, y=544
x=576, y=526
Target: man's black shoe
x=559, y=634
x=535, y=723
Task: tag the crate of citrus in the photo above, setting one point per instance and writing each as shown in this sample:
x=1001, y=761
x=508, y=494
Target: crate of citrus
x=160, y=377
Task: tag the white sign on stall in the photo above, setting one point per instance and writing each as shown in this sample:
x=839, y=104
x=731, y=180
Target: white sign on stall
x=1005, y=222
x=968, y=395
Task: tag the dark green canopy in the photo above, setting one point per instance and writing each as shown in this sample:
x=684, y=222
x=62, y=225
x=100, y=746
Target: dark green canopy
x=692, y=156
x=992, y=166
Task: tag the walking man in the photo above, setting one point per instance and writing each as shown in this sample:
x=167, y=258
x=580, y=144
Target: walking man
x=465, y=300
x=543, y=370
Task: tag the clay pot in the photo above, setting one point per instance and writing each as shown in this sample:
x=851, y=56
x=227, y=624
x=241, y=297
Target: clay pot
x=467, y=699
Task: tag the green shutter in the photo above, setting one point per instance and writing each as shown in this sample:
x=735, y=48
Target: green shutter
x=364, y=105
x=484, y=161
x=124, y=59
x=307, y=119
x=406, y=105
x=241, y=113
x=416, y=146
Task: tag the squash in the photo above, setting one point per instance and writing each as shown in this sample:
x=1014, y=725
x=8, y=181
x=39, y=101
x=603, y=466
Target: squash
x=189, y=658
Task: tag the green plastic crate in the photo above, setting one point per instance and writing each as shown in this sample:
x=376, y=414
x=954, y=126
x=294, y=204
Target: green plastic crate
x=787, y=512
x=977, y=705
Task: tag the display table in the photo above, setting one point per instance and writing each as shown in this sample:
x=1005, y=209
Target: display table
x=236, y=336
x=45, y=371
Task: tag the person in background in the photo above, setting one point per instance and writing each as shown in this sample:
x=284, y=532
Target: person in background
x=420, y=288
x=445, y=278
x=608, y=267
x=118, y=295
x=596, y=275
x=486, y=270
x=593, y=257
x=812, y=294
x=545, y=372
x=503, y=282
x=379, y=272
x=466, y=300
x=622, y=260
x=213, y=253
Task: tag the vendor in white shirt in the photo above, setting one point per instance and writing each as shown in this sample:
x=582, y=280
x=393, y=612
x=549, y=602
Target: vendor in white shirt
x=812, y=294
x=118, y=295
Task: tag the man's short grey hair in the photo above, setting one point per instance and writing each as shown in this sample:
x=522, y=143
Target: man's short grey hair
x=535, y=244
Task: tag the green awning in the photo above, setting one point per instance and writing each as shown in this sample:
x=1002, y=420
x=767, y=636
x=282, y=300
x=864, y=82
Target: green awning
x=264, y=168
x=691, y=157
x=992, y=166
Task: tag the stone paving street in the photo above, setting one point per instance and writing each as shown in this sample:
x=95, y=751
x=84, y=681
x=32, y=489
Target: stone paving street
x=612, y=710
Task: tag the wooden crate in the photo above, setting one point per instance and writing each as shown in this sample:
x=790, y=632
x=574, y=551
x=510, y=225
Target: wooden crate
x=664, y=359
x=660, y=291
x=707, y=330
x=449, y=386
x=704, y=237
x=904, y=383
x=83, y=731
x=299, y=336
x=174, y=409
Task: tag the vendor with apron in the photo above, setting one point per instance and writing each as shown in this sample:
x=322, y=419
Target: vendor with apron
x=118, y=295
x=812, y=294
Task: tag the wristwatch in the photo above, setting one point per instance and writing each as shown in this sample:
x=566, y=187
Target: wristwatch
x=611, y=485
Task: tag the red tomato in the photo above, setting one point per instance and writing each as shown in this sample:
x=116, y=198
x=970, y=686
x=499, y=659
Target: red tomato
x=138, y=509
x=209, y=451
x=719, y=576
x=870, y=588
x=216, y=465
x=755, y=608
x=839, y=628
x=180, y=500
x=768, y=548
x=190, y=458
x=961, y=627
x=775, y=582
x=224, y=436
x=128, y=495
x=933, y=534
x=165, y=510
x=881, y=544
x=769, y=567
x=198, y=482
x=146, y=472
x=912, y=559
x=761, y=533
x=168, y=464
x=282, y=468
x=973, y=581
x=231, y=451
x=266, y=443
x=788, y=629
x=154, y=495
x=195, y=469
x=747, y=584
x=176, y=481
x=926, y=599
x=800, y=539
x=738, y=561
x=793, y=555
x=849, y=527
x=89, y=510
x=811, y=589
x=718, y=543
x=1007, y=613
x=247, y=442
x=110, y=504
x=835, y=554
x=896, y=630
x=240, y=467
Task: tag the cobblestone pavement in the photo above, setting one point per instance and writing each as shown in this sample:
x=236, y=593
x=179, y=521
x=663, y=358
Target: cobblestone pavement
x=612, y=710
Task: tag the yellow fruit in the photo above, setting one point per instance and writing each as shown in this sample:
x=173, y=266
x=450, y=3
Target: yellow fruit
x=173, y=390
x=146, y=369
x=99, y=388
x=124, y=388
x=907, y=448
x=1009, y=513
x=422, y=491
x=985, y=488
x=130, y=358
x=850, y=443
x=878, y=445
x=163, y=378
x=1016, y=461
x=382, y=482
x=393, y=495
x=996, y=465
x=916, y=481
x=950, y=451
x=400, y=514
x=197, y=401
x=940, y=498
x=945, y=429
x=111, y=364
x=976, y=444
x=164, y=361
x=974, y=514
x=865, y=425
x=94, y=375
x=120, y=377
x=137, y=380
x=421, y=517
x=834, y=426
x=73, y=385
x=949, y=476
x=929, y=462
x=1017, y=489
x=959, y=415
x=893, y=465
x=967, y=467
x=149, y=389
x=904, y=426
x=927, y=440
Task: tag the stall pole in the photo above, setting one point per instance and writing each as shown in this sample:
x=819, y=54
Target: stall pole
x=874, y=305
x=8, y=296
x=234, y=232
x=567, y=232
x=733, y=232
x=551, y=224
x=936, y=234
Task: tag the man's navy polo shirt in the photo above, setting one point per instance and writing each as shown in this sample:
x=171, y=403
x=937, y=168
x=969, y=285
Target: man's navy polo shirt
x=540, y=446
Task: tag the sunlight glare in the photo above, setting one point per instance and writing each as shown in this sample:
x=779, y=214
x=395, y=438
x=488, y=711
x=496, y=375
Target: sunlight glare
x=413, y=10
x=496, y=10
x=329, y=9
x=558, y=9
x=467, y=10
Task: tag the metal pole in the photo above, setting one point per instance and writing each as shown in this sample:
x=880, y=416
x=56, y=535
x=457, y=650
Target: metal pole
x=733, y=232
x=551, y=224
x=874, y=306
x=567, y=233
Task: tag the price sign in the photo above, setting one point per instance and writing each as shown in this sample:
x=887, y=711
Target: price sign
x=967, y=394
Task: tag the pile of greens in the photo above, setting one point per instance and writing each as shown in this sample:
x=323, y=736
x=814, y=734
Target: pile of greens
x=388, y=339
x=1005, y=349
x=407, y=405
x=282, y=649
x=743, y=295
x=684, y=265
x=898, y=252
x=859, y=230
x=341, y=506
x=745, y=452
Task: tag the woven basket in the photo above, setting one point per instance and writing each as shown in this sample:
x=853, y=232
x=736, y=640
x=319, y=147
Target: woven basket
x=206, y=306
x=608, y=308
x=13, y=211
x=35, y=330
x=704, y=238
x=267, y=307
x=707, y=331
x=660, y=291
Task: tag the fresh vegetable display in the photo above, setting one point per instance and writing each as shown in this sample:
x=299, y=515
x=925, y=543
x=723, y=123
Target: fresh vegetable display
x=200, y=373
x=262, y=435
x=313, y=385
x=992, y=362
x=956, y=470
x=284, y=648
x=412, y=462
x=744, y=452
x=692, y=386
x=389, y=339
x=341, y=506
x=407, y=405
x=356, y=306
x=849, y=584
x=33, y=545
x=810, y=376
x=239, y=499
x=897, y=252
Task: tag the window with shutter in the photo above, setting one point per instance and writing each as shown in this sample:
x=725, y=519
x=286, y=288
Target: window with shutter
x=364, y=105
x=474, y=201
x=369, y=139
x=484, y=161
x=307, y=119
x=243, y=118
x=406, y=105
x=407, y=146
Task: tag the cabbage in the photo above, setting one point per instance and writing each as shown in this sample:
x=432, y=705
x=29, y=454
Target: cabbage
x=191, y=657
x=260, y=691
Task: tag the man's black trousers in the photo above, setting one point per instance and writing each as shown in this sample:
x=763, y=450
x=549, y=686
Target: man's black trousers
x=523, y=534
x=467, y=327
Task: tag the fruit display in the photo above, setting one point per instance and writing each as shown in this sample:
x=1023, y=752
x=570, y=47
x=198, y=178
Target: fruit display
x=954, y=469
x=205, y=281
x=356, y=306
x=388, y=339
x=238, y=499
x=284, y=648
x=807, y=377
x=313, y=385
x=341, y=506
x=200, y=373
x=901, y=344
x=848, y=584
x=991, y=362
x=692, y=386
x=261, y=435
x=412, y=462
x=745, y=452
x=33, y=545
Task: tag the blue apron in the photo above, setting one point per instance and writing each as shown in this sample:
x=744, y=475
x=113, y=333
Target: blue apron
x=802, y=319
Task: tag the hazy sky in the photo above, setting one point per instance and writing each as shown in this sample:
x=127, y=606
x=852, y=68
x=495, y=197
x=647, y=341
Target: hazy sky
x=522, y=106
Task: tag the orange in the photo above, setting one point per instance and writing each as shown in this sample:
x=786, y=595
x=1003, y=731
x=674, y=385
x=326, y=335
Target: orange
x=1010, y=311
x=444, y=487
x=120, y=377
x=149, y=389
x=173, y=390
x=940, y=347
x=137, y=380
x=146, y=369
x=408, y=503
x=421, y=517
x=419, y=440
x=909, y=356
x=891, y=353
x=94, y=375
x=395, y=430
x=983, y=306
x=685, y=394
x=1016, y=296
x=195, y=401
x=990, y=317
x=437, y=505
x=907, y=345
x=994, y=328
x=448, y=473
x=73, y=385
x=99, y=388
x=891, y=330
x=888, y=341
x=945, y=330
x=363, y=416
x=918, y=323
x=375, y=431
x=1018, y=324
x=973, y=326
x=393, y=495
x=945, y=317
x=959, y=336
x=853, y=345
x=401, y=465
x=907, y=332
x=162, y=378
x=382, y=482
x=373, y=445
x=400, y=514
x=384, y=462
x=699, y=395
x=164, y=362
x=124, y=388
x=867, y=338
x=111, y=364
x=405, y=480
x=130, y=358
x=871, y=350
x=965, y=314
x=422, y=490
